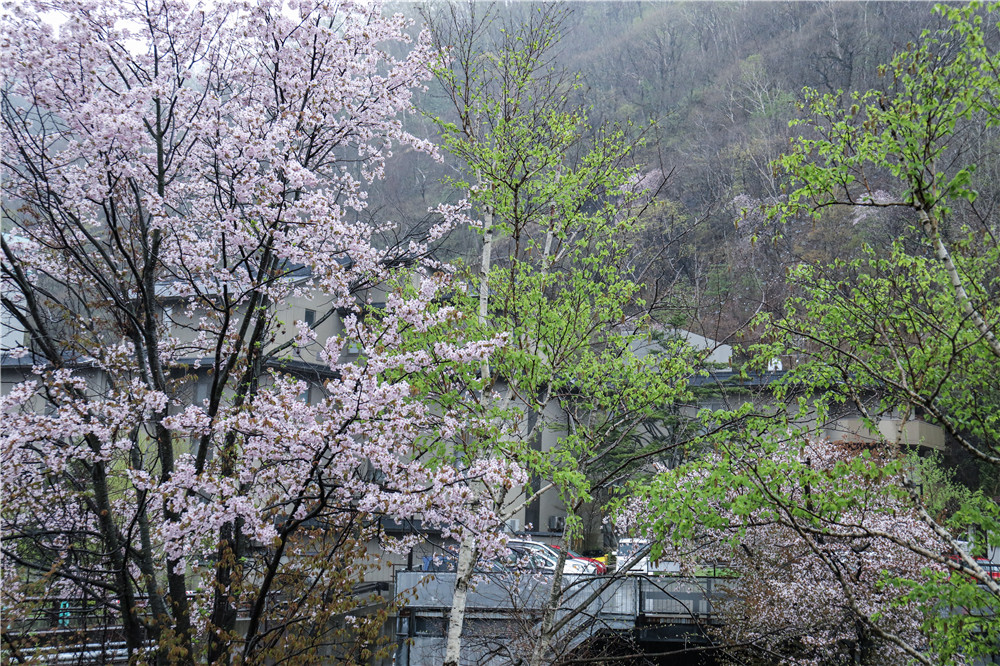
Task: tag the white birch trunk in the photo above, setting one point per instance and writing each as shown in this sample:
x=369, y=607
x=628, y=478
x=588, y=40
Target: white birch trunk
x=463, y=577
x=547, y=630
x=484, y=278
x=933, y=232
x=467, y=550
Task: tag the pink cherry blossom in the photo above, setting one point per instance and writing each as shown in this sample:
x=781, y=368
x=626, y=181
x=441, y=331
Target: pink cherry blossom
x=186, y=177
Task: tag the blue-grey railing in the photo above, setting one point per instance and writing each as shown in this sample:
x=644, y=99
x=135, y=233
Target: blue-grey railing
x=628, y=596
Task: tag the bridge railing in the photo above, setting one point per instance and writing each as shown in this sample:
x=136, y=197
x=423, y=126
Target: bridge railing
x=620, y=598
x=678, y=597
x=490, y=591
x=627, y=596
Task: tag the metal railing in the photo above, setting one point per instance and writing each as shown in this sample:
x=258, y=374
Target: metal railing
x=627, y=596
x=669, y=596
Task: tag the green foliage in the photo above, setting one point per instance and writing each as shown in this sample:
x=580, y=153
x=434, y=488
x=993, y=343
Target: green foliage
x=957, y=613
x=939, y=492
x=901, y=332
x=941, y=85
x=895, y=332
x=560, y=201
x=889, y=326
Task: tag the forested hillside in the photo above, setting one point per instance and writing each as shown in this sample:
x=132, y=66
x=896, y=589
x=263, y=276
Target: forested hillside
x=712, y=87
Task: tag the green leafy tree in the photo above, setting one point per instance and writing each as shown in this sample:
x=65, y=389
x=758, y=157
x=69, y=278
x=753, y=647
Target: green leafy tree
x=910, y=331
x=557, y=201
x=898, y=334
x=907, y=148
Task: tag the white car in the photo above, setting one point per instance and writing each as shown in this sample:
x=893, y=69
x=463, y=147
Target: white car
x=546, y=557
x=628, y=549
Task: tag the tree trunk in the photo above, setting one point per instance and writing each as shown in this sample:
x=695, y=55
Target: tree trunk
x=463, y=577
x=467, y=552
x=547, y=631
x=484, y=278
x=933, y=231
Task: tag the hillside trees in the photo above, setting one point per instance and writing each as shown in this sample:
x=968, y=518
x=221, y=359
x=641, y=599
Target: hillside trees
x=183, y=441
x=682, y=65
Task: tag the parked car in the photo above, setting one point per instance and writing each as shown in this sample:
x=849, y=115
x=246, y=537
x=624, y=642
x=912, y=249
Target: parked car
x=522, y=559
x=992, y=569
x=547, y=557
x=599, y=567
x=629, y=549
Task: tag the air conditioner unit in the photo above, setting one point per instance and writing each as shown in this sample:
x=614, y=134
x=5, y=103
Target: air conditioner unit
x=513, y=525
x=557, y=523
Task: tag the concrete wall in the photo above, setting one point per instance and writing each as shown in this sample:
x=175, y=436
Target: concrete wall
x=915, y=432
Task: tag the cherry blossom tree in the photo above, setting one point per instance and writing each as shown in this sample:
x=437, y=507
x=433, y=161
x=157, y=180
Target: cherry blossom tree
x=817, y=536
x=185, y=444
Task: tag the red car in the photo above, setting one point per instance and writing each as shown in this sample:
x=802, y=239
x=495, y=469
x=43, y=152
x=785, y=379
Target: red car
x=992, y=569
x=601, y=568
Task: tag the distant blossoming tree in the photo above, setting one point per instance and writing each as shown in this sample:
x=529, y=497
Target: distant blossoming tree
x=174, y=177
x=816, y=535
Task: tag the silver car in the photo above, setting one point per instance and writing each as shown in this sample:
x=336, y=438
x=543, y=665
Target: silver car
x=545, y=557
